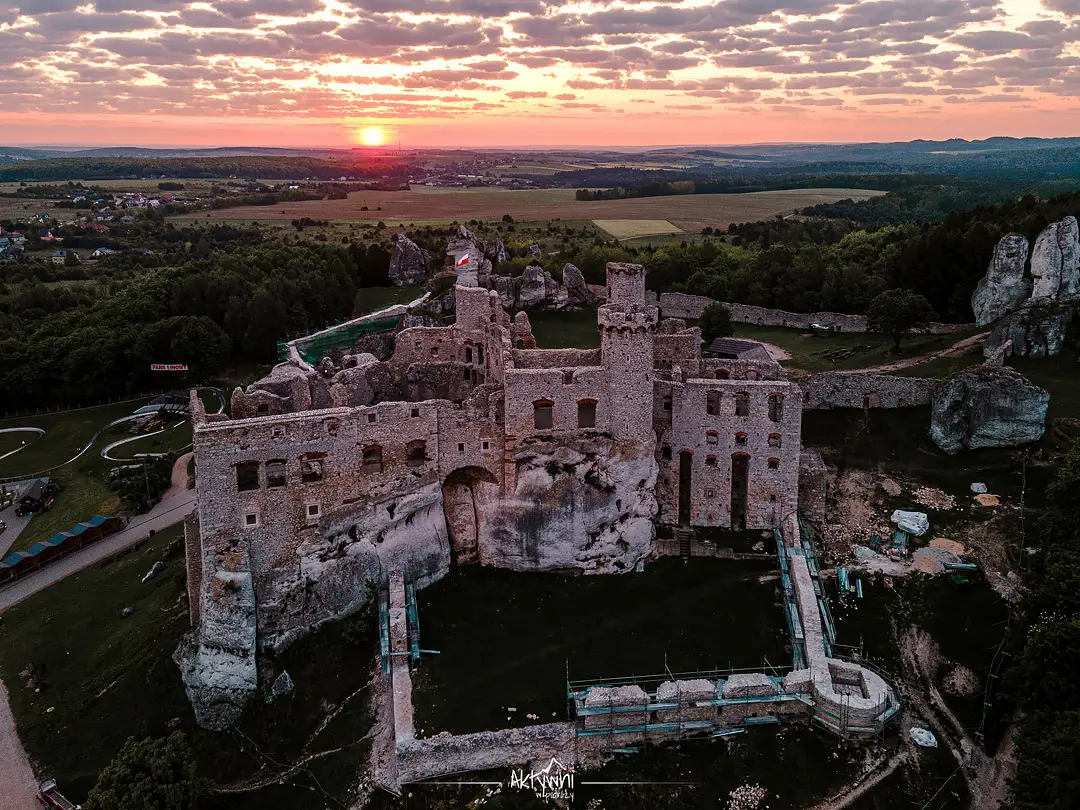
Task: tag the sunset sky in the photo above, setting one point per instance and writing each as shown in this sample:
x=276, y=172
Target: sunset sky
x=532, y=73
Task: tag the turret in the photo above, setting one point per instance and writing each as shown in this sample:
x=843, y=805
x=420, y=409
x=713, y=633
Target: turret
x=626, y=328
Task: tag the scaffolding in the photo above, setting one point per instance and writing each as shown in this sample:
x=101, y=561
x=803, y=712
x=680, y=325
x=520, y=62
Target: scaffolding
x=659, y=719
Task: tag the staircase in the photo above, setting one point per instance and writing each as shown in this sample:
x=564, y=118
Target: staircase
x=685, y=537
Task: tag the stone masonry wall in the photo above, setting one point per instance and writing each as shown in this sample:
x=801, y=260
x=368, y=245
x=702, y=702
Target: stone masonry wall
x=833, y=389
x=681, y=305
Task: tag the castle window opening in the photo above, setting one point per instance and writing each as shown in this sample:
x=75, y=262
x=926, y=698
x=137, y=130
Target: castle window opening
x=543, y=414
x=312, y=510
x=712, y=437
x=251, y=520
x=479, y=354
x=434, y=351
x=520, y=342
x=371, y=417
x=722, y=374
x=665, y=452
x=468, y=354
x=753, y=374
x=568, y=377
x=416, y=453
x=776, y=407
x=485, y=445
x=372, y=459
x=667, y=402
x=277, y=432
x=467, y=373
x=247, y=476
x=586, y=413
x=774, y=440
x=710, y=461
x=710, y=493
x=742, y=404
x=415, y=412
x=740, y=439
x=311, y=470
x=275, y=473
x=774, y=464
x=712, y=403
x=461, y=447
x=262, y=410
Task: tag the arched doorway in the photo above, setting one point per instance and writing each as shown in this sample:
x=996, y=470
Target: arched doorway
x=462, y=491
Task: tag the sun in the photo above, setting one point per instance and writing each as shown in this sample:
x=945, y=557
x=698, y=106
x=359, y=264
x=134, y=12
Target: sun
x=372, y=136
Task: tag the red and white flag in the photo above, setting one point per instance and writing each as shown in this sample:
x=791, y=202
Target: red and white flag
x=462, y=261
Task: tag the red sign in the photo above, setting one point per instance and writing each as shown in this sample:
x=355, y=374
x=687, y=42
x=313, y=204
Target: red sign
x=168, y=367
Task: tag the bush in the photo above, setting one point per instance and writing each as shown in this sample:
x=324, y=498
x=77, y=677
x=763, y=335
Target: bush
x=154, y=774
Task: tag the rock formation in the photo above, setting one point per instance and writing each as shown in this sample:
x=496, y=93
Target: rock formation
x=1035, y=323
x=987, y=406
x=496, y=251
x=533, y=252
x=477, y=271
x=533, y=289
x=1035, y=332
x=1055, y=262
x=409, y=263
x=1004, y=288
x=577, y=291
x=588, y=506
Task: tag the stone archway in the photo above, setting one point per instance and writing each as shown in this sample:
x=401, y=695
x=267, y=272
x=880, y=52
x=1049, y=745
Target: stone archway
x=462, y=495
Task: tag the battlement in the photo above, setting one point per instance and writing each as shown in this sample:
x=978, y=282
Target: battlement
x=635, y=318
x=625, y=283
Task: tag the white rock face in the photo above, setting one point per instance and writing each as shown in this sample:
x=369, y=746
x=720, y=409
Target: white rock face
x=589, y=508
x=1004, y=288
x=1055, y=261
x=219, y=668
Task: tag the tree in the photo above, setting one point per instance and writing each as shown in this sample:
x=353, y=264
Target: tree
x=898, y=312
x=152, y=774
x=71, y=258
x=715, y=322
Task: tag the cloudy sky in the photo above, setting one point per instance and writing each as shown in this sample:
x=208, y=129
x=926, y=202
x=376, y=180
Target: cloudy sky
x=535, y=73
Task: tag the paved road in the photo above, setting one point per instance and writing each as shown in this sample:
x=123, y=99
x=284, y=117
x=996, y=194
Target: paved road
x=17, y=784
x=174, y=506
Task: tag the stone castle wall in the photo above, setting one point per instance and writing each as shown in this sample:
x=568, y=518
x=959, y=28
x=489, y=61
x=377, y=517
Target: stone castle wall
x=682, y=305
x=833, y=389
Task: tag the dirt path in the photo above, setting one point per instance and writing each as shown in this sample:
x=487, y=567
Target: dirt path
x=958, y=348
x=17, y=783
x=776, y=353
x=868, y=782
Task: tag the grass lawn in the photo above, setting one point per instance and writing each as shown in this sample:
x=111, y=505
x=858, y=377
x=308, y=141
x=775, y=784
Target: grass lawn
x=506, y=638
x=942, y=367
x=811, y=352
x=108, y=678
x=1058, y=375
x=565, y=330
x=66, y=432
x=370, y=299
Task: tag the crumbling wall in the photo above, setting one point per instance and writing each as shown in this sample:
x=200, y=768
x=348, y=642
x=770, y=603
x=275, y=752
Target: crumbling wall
x=714, y=439
x=833, y=389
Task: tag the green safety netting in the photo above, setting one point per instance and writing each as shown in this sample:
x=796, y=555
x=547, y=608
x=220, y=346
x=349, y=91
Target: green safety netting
x=314, y=348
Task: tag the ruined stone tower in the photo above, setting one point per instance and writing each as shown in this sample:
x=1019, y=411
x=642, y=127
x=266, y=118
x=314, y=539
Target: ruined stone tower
x=627, y=328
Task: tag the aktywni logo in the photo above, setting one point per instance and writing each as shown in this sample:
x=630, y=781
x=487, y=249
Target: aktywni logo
x=554, y=781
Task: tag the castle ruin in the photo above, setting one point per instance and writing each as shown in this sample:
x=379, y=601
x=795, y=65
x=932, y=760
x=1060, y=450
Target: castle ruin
x=470, y=445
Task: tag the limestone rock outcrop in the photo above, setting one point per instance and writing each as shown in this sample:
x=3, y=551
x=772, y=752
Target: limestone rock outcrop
x=1035, y=331
x=477, y=270
x=409, y=263
x=587, y=505
x=987, y=406
x=533, y=289
x=577, y=291
x=1055, y=262
x=496, y=251
x=1004, y=287
x=219, y=670
x=532, y=252
x=286, y=389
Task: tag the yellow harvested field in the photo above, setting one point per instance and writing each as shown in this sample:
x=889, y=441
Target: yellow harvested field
x=629, y=228
x=690, y=212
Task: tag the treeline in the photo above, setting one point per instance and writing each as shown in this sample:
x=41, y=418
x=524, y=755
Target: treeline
x=931, y=201
x=284, y=168
x=82, y=343
x=653, y=189
x=1043, y=682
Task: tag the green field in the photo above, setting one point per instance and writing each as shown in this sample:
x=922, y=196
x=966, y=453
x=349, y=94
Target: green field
x=370, y=299
x=635, y=228
x=108, y=678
